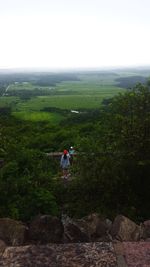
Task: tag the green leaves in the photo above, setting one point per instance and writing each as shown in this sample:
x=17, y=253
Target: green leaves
x=111, y=170
x=116, y=156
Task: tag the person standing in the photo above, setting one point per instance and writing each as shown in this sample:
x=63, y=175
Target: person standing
x=65, y=163
x=71, y=153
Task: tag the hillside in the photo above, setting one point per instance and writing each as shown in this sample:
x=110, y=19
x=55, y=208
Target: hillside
x=111, y=172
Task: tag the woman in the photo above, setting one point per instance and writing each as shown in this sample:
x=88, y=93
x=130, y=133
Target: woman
x=65, y=163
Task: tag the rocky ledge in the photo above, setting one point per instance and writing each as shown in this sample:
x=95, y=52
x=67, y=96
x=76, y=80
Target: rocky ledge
x=65, y=242
x=93, y=228
x=64, y=255
x=96, y=254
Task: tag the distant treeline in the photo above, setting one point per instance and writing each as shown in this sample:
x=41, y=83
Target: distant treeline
x=131, y=81
x=42, y=79
x=27, y=94
x=51, y=80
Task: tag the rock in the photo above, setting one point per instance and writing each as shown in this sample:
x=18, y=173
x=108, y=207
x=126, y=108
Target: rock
x=123, y=229
x=13, y=232
x=88, y=229
x=2, y=247
x=62, y=255
x=74, y=230
x=74, y=234
x=108, y=223
x=46, y=229
x=98, y=227
x=147, y=228
x=142, y=232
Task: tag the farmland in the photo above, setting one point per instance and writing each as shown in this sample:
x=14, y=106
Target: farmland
x=38, y=116
x=29, y=99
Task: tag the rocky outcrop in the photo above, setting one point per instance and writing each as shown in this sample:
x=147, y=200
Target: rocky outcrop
x=74, y=230
x=13, y=232
x=94, y=254
x=46, y=229
x=93, y=228
x=98, y=227
x=123, y=229
x=76, y=238
x=87, y=229
x=60, y=255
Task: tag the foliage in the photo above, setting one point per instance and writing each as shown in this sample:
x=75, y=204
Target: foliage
x=114, y=164
x=129, y=82
x=25, y=178
x=110, y=172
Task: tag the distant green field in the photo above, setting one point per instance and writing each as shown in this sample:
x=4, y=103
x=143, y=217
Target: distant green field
x=87, y=93
x=65, y=101
x=62, y=102
x=82, y=88
x=38, y=116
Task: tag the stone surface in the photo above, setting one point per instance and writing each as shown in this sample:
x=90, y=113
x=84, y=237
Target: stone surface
x=98, y=254
x=13, y=232
x=147, y=228
x=46, y=229
x=137, y=254
x=2, y=247
x=62, y=255
x=97, y=226
x=120, y=254
x=123, y=229
x=75, y=230
x=88, y=229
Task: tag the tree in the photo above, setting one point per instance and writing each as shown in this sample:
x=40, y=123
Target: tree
x=115, y=166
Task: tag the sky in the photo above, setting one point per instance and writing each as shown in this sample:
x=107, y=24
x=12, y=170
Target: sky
x=74, y=33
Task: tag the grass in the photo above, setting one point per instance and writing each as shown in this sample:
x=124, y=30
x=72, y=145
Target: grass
x=38, y=116
x=62, y=102
x=74, y=101
x=87, y=88
x=87, y=93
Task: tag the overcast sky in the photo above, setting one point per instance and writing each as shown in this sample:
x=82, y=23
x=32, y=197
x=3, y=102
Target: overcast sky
x=74, y=33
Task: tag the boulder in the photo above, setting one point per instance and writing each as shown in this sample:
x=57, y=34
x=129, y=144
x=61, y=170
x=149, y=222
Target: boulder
x=46, y=229
x=90, y=228
x=123, y=229
x=147, y=229
x=74, y=230
x=13, y=233
x=98, y=227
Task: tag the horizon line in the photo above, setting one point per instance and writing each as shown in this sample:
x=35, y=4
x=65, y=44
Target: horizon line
x=61, y=69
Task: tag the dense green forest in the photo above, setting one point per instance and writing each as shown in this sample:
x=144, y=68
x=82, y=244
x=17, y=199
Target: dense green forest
x=111, y=170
